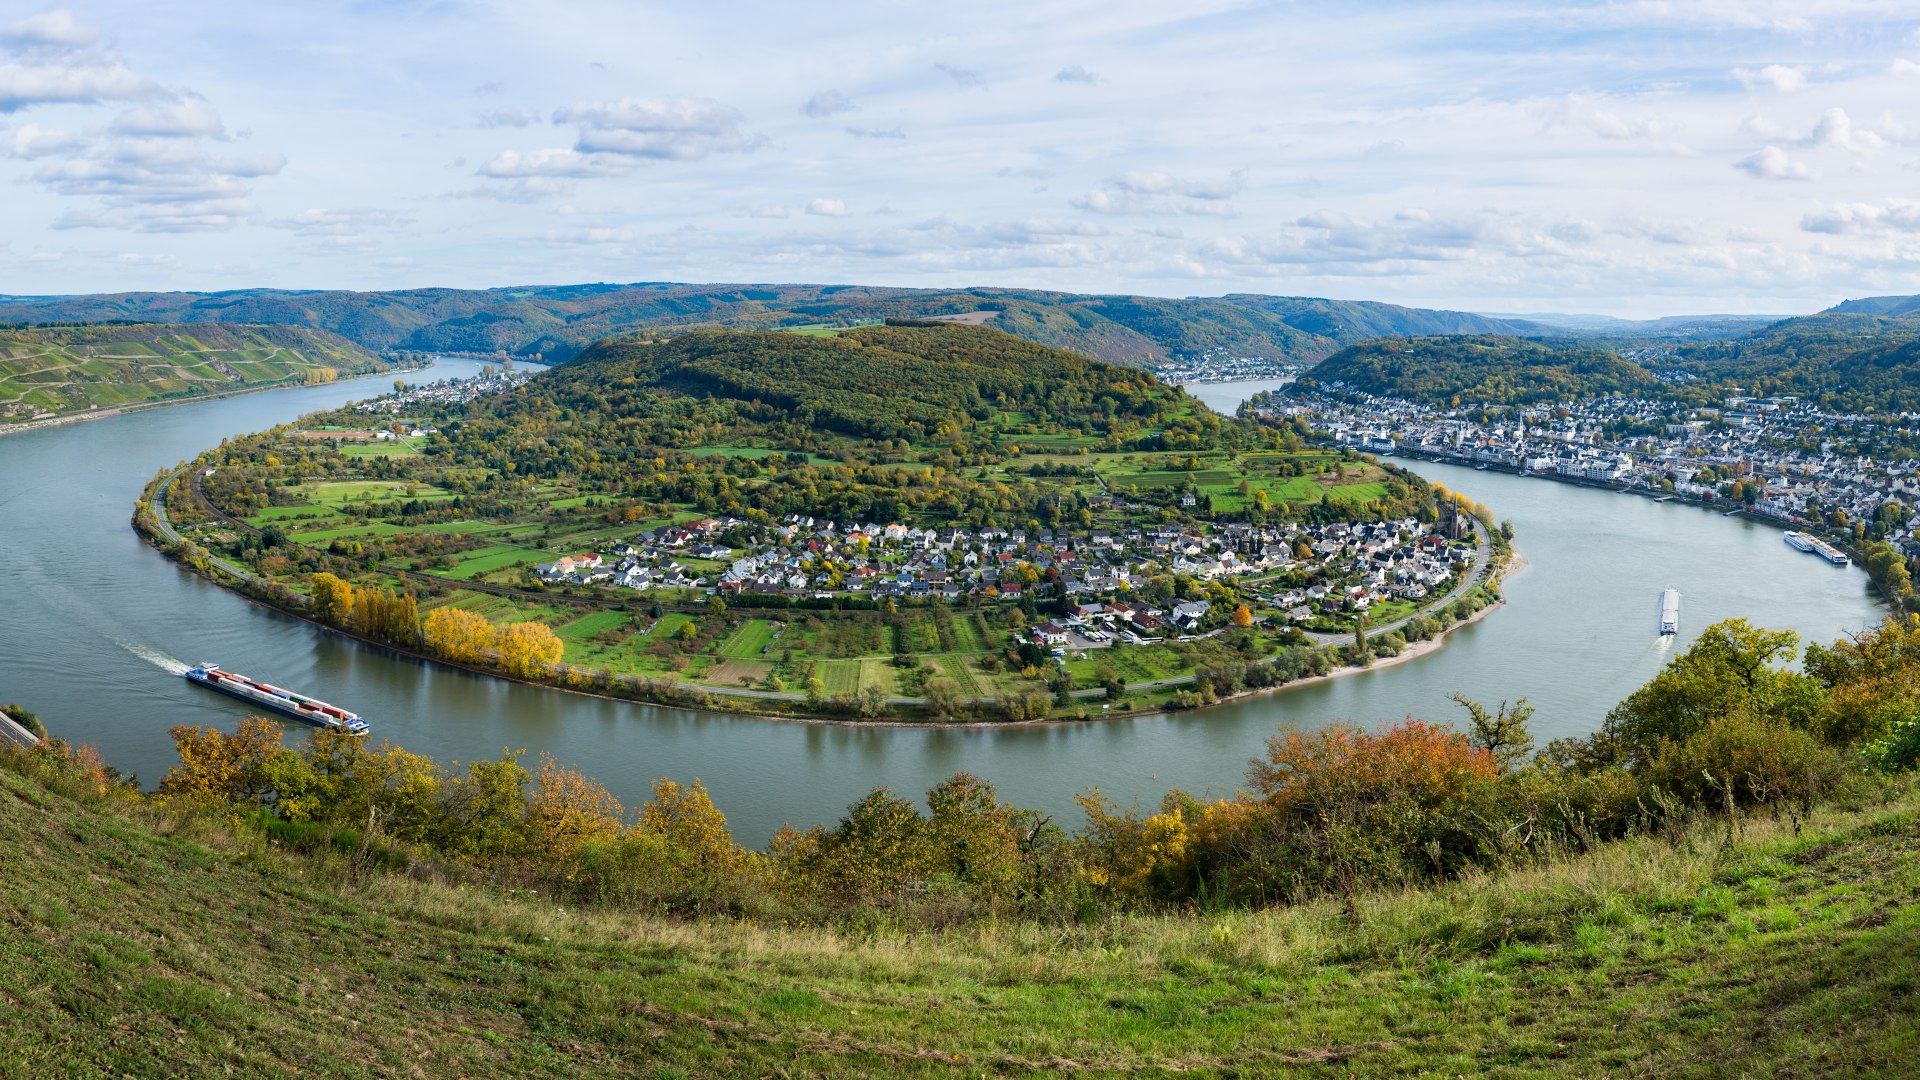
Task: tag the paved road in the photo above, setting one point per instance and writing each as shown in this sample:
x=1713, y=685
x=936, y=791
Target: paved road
x=166, y=526
x=14, y=733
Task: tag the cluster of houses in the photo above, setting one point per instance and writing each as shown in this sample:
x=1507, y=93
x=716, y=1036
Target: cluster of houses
x=1355, y=565
x=444, y=392
x=1802, y=463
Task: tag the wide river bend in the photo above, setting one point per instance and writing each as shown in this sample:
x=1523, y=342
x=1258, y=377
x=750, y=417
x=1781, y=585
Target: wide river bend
x=94, y=625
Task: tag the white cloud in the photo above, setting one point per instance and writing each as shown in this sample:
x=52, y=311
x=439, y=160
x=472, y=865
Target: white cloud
x=500, y=118
x=1776, y=77
x=1150, y=191
x=826, y=103
x=1894, y=215
x=765, y=210
x=1582, y=111
x=827, y=207
x=324, y=221
x=83, y=82
x=554, y=162
x=55, y=29
x=1076, y=74
x=1837, y=129
x=667, y=129
x=29, y=141
x=187, y=118
x=876, y=133
x=1772, y=163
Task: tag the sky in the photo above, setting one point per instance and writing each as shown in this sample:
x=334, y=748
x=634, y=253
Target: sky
x=1629, y=158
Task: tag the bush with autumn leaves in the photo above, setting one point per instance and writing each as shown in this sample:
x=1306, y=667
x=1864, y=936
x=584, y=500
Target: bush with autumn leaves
x=1730, y=723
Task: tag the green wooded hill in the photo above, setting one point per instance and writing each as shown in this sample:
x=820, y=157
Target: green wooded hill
x=1848, y=359
x=876, y=381
x=68, y=369
x=143, y=940
x=555, y=322
x=1479, y=370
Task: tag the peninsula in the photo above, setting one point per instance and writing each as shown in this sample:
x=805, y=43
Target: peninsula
x=918, y=520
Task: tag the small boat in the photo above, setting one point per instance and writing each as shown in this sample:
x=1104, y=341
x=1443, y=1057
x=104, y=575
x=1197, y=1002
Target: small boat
x=1670, y=612
x=312, y=710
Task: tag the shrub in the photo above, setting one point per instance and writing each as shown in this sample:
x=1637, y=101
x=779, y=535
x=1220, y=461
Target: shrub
x=1752, y=759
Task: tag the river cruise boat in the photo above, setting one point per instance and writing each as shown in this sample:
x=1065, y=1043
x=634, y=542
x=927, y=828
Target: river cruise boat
x=1799, y=541
x=266, y=695
x=1830, y=553
x=1670, y=612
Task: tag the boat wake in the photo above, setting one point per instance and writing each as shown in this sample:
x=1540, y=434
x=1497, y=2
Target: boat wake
x=155, y=657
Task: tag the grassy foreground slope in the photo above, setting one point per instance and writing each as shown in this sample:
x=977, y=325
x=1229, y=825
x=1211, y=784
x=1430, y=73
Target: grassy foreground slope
x=67, y=369
x=145, y=944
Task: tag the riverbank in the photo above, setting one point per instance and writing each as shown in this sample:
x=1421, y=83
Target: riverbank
x=194, y=399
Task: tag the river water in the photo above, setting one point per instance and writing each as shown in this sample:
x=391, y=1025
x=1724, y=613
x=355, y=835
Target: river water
x=94, y=626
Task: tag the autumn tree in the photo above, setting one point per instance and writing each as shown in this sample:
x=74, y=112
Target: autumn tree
x=1242, y=616
x=459, y=635
x=332, y=599
x=567, y=811
x=528, y=649
x=218, y=768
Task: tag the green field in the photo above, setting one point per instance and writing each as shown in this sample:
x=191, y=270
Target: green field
x=840, y=677
x=751, y=640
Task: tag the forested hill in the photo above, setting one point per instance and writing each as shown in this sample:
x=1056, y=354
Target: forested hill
x=1478, y=370
x=58, y=370
x=1891, y=306
x=1849, y=359
x=1349, y=322
x=556, y=322
x=875, y=381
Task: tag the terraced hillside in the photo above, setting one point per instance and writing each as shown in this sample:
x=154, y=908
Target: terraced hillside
x=53, y=371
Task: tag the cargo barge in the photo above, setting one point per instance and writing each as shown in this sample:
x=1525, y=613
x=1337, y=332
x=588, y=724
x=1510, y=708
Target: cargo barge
x=1670, y=612
x=312, y=710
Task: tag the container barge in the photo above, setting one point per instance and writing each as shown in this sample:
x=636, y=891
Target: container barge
x=1670, y=612
x=312, y=710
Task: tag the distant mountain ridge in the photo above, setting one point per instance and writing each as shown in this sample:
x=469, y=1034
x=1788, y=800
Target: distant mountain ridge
x=557, y=322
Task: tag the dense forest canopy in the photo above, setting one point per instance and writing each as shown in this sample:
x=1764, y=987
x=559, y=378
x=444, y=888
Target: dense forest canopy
x=1479, y=370
x=880, y=381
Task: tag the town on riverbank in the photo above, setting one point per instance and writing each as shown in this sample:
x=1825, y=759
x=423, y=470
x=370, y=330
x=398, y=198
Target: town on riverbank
x=1849, y=483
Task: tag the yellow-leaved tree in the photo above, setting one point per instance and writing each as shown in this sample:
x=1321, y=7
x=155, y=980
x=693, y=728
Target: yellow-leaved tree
x=459, y=635
x=568, y=809
x=219, y=768
x=528, y=649
x=332, y=599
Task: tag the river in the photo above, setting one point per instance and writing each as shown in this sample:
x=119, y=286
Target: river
x=94, y=625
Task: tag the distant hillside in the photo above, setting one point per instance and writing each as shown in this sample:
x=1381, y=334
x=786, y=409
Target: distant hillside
x=67, y=369
x=1479, y=370
x=873, y=381
x=1845, y=359
x=1350, y=321
x=555, y=323
x=1889, y=306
